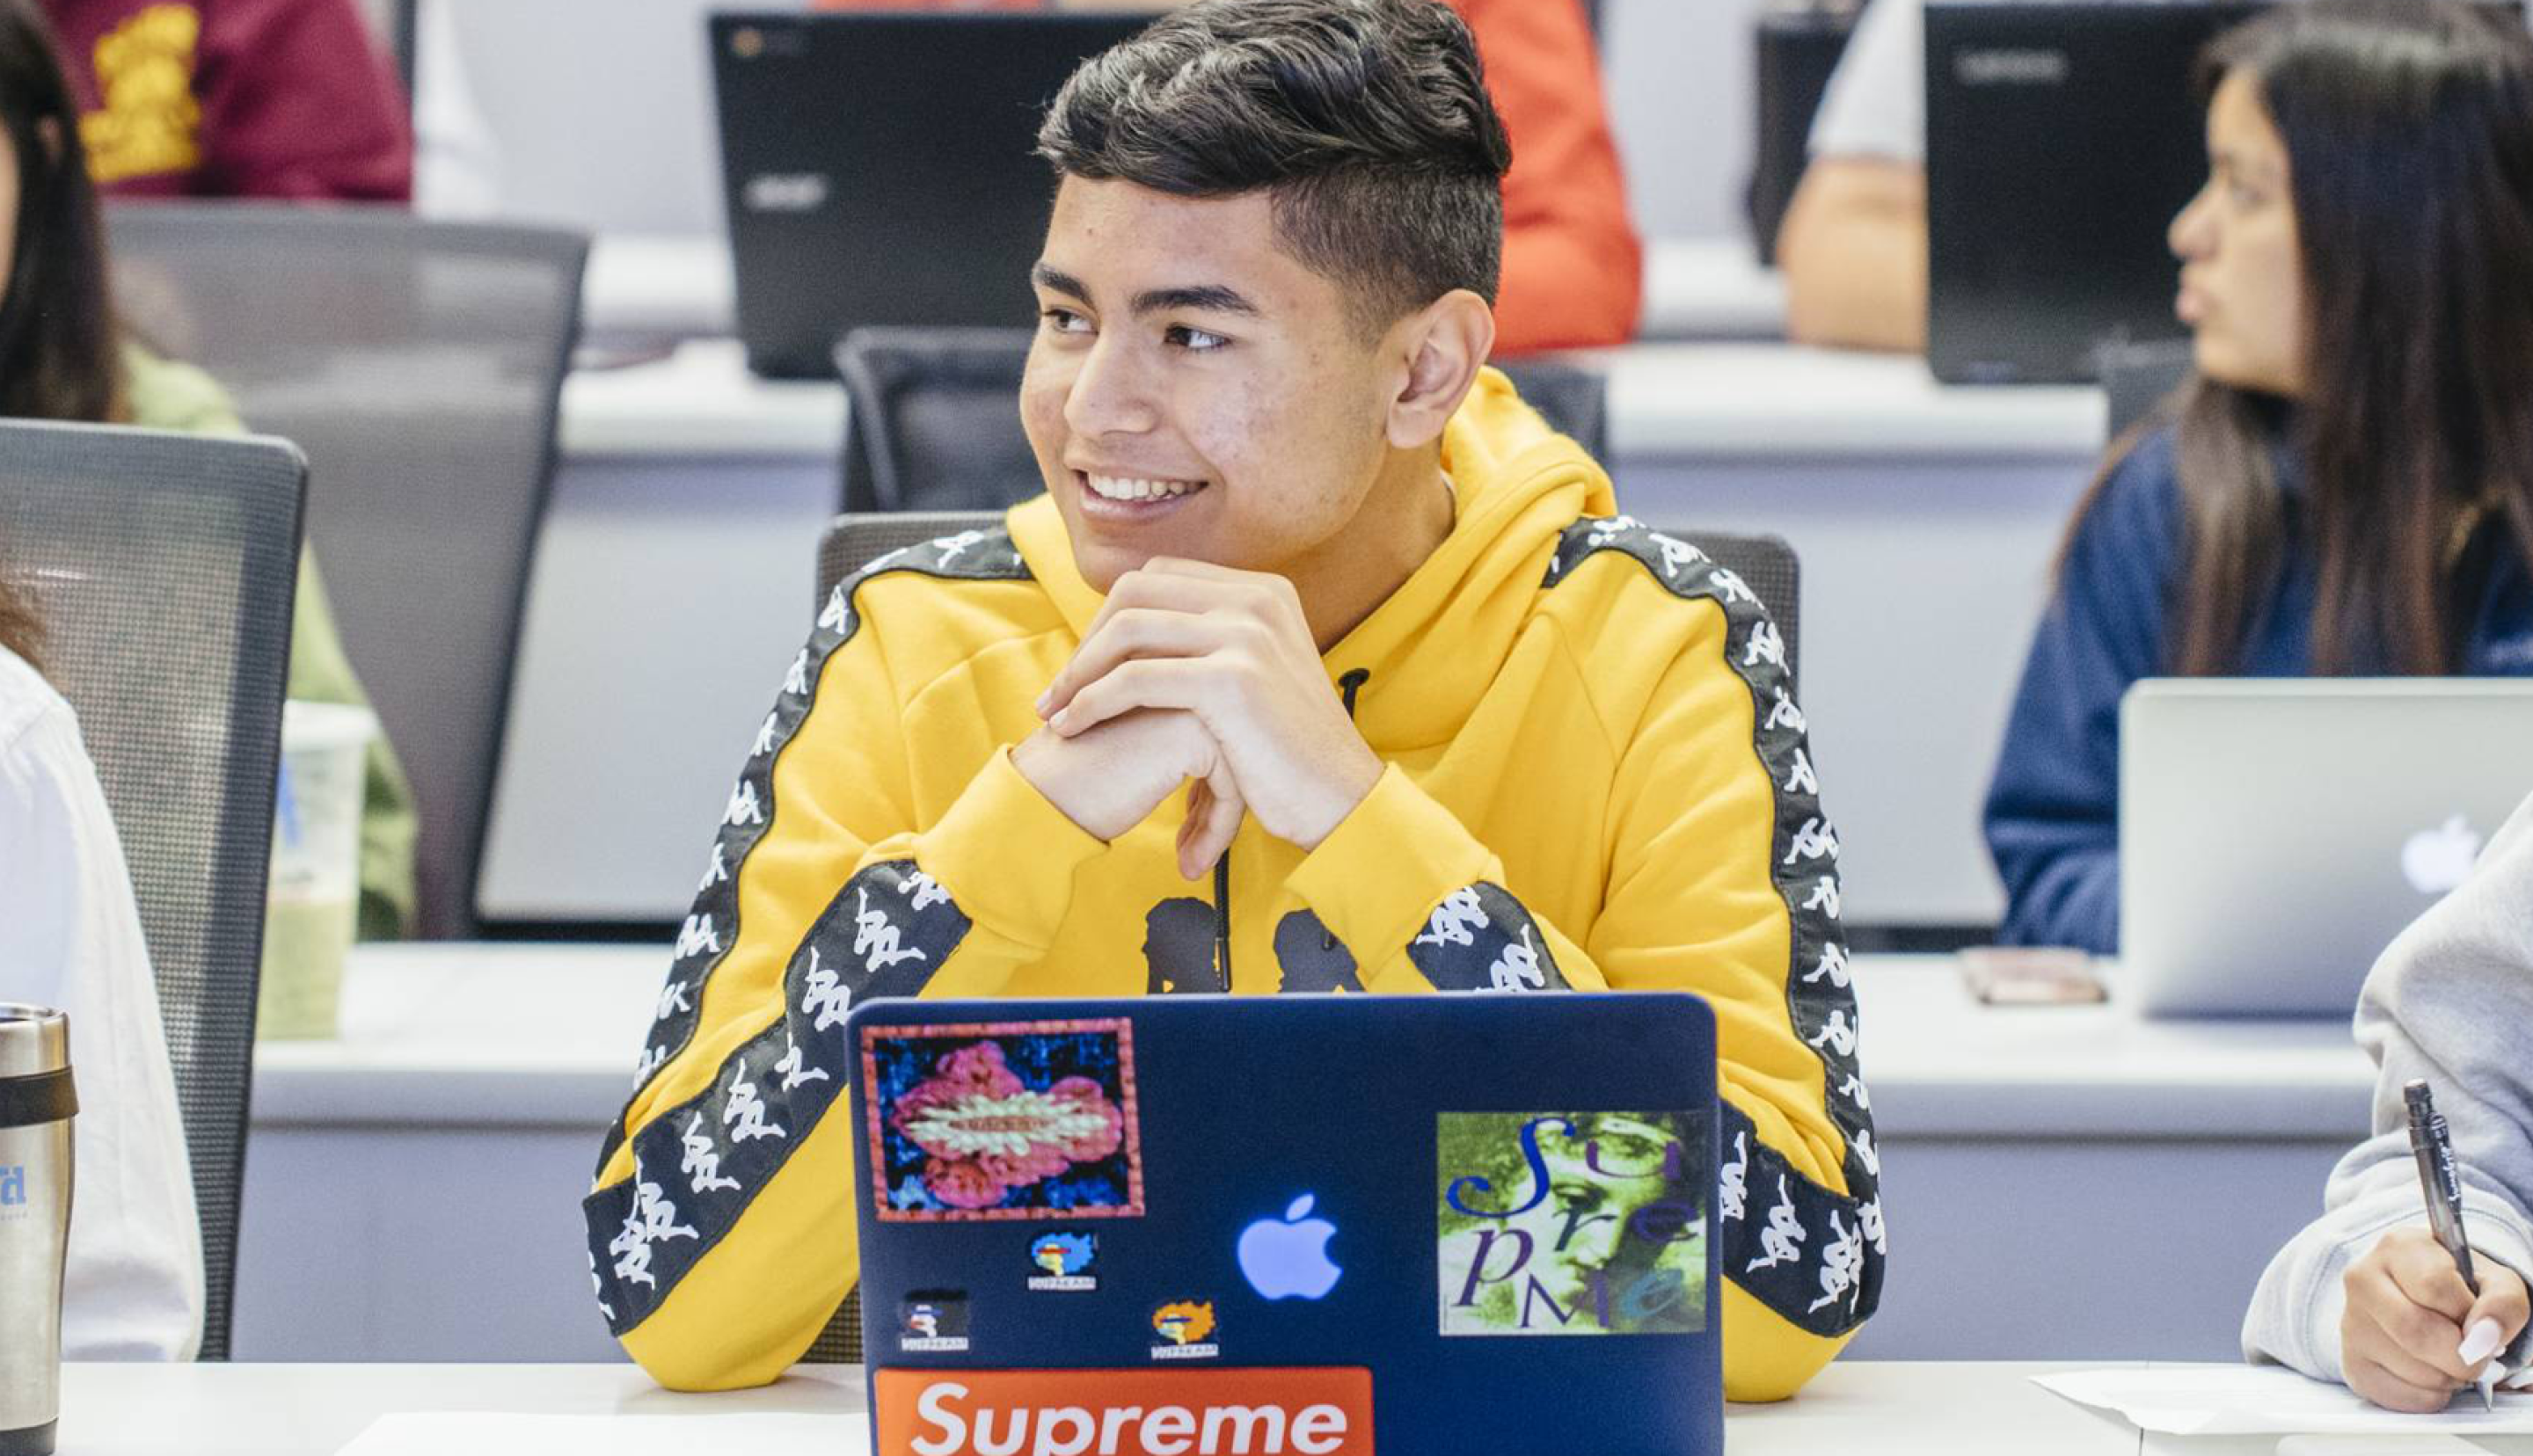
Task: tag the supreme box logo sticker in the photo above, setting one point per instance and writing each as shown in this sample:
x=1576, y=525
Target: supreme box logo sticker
x=1124, y=1413
x=1004, y=1120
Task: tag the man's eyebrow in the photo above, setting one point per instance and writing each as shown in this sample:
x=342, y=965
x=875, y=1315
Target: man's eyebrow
x=1058, y=281
x=1211, y=298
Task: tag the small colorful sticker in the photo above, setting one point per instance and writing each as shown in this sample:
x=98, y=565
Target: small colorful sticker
x=1572, y=1223
x=1185, y=1330
x=1012, y=1120
x=932, y=1320
x=1064, y=1261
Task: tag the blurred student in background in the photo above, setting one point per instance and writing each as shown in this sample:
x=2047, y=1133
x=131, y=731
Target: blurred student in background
x=2346, y=486
x=1574, y=269
x=2365, y=1294
x=70, y=937
x=239, y=98
x=1854, y=243
x=64, y=355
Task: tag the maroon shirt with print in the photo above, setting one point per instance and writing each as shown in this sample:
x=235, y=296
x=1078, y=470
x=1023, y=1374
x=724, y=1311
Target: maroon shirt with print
x=250, y=98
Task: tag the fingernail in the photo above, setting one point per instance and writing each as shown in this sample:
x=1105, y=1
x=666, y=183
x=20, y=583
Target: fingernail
x=1057, y=722
x=1043, y=699
x=2480, y=1342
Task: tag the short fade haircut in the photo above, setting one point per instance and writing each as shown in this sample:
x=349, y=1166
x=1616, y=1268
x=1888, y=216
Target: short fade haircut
x=1366, y=121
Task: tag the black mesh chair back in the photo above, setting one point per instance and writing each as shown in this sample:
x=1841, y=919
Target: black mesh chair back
x=418, y=364
x=936, y=420
x=936, y=425
x=165, y=567
x=1765, y=563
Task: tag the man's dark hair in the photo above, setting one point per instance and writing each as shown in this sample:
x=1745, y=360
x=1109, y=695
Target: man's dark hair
x=1367, y=122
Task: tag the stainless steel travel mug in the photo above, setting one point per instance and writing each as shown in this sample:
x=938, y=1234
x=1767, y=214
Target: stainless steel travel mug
x=36, y=1104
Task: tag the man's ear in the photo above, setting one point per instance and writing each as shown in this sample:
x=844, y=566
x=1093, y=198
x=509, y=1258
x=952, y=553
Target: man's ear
x=1444, y=343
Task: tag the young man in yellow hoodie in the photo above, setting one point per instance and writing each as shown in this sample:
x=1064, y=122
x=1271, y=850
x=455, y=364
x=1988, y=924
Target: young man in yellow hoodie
x=1313, y=602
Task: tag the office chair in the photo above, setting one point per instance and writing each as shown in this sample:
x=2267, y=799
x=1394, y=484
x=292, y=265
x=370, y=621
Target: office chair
x=936, y=420
x=418, y=364
x=164, y=566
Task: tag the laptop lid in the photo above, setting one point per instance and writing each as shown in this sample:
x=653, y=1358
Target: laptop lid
x=2061, y=138
x=881, y=168
x=2275, y=835
x=1437, y=1224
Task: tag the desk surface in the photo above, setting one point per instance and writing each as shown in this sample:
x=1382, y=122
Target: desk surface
x=312, y=1409
x=526, y=1033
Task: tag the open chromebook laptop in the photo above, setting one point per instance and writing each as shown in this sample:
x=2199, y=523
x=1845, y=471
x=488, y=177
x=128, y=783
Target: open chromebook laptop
x=2276, y=834
x=1446, y=1224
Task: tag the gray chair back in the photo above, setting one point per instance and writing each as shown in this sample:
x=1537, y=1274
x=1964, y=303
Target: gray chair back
x=1765, y=563
x=164, y=569
x=936, y=418
x=418, y=364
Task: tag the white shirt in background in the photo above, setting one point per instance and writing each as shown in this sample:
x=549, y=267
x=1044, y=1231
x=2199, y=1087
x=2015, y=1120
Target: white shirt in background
x=70, y=938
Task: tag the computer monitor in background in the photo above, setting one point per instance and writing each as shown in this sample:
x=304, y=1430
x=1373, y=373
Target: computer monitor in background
x=879, y=168
x=2061, y=138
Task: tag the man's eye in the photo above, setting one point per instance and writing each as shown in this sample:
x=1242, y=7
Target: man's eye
x=1065, y=320
x=1196, y=340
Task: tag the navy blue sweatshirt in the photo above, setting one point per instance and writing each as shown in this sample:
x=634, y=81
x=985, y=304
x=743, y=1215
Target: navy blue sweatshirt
x=2053, y=808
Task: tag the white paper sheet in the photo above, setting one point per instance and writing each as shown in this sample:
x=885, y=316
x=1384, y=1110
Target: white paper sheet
x=2267, y=1400
x=493, y=1433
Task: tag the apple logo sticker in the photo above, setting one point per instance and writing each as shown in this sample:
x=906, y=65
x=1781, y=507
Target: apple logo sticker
x=2435, y=860
x=1288, y=1258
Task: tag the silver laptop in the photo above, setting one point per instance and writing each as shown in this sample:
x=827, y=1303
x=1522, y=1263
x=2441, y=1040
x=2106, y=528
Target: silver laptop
x=2276, y=834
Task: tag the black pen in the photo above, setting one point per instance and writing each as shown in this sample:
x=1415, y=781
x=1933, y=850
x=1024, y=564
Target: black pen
x=2434, y=1150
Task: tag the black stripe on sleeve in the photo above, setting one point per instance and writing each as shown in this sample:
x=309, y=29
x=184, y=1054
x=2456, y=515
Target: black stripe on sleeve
x=1832, y=1279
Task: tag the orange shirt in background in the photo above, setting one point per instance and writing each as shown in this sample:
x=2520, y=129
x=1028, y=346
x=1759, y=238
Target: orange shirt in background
x=1574, y=270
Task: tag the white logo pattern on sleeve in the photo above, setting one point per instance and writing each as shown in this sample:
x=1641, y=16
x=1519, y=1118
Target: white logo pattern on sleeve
x=702, y=1165
x=1781, y=1241
x=1456, y=921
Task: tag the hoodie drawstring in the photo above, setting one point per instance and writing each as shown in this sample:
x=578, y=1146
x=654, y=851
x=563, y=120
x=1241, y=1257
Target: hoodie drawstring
x=1349, y=684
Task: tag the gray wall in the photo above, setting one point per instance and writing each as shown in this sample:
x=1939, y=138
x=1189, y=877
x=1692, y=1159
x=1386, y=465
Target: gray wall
x=603, y=108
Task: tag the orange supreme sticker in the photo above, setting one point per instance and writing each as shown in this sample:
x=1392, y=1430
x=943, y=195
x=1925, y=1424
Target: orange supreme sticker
x=1173, y=1411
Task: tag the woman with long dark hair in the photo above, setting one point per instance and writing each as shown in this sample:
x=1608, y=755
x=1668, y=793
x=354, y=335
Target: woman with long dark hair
x=2346, y=486
x=65, y=355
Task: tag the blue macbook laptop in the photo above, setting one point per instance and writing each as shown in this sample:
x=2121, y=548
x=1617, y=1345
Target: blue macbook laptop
x=1317, y=1225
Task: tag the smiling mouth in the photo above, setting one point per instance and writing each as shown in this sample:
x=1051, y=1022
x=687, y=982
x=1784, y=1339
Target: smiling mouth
x=1132, y=490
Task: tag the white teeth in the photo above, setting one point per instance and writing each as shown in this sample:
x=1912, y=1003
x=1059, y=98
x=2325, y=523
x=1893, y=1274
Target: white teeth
x=1131, y=488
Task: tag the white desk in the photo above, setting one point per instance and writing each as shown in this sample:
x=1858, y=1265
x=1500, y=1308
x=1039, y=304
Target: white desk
x=428, y=1167
x=312, y=1409
x=674, y=577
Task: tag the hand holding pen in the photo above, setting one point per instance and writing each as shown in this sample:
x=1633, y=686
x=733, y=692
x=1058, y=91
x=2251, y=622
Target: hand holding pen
x=2423, y=1318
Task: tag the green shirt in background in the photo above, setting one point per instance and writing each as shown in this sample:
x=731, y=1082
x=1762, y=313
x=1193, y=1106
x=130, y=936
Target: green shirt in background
x=166, y=395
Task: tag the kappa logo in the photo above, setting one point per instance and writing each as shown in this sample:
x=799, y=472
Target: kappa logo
x=1136, y=1413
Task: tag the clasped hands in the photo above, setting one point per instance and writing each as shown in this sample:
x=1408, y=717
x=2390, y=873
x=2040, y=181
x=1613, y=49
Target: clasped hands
x=1208, y=676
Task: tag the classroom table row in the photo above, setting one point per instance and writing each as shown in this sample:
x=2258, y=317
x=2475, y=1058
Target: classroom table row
x=1890, y=1409
x=675, y=578
x=2066, y=1183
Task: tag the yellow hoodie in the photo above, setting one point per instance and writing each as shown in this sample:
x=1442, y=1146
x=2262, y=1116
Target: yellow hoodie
x=1596, y=779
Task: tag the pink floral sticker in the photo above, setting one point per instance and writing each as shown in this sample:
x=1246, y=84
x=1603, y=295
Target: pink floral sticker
x=1025, y=1120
